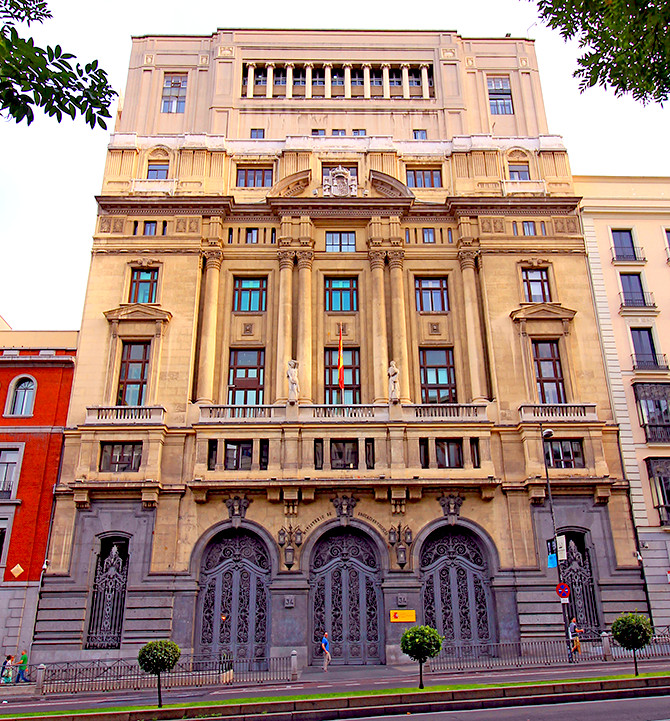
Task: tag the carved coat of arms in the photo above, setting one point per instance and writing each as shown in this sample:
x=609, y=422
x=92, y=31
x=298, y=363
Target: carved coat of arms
x=340, y=183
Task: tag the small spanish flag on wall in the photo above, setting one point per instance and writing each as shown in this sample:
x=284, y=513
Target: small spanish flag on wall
x=340, y=363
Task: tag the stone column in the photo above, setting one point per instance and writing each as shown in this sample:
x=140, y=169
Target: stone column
x=308, y=79
x=405, y=80
x=270, y=79
x=425, y=88
x=327, y=72
x=305, y=258
x=380, y=360
x=250, y=79
x=400, y=352
x=207, y=358
x=289, y=80
x=284, y=322
x=473, y=325
x=386, y=85
x=347, y=80
x=366, y=80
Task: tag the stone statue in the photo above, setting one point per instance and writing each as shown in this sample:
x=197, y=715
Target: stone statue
x=293, y=382
x=394, y=383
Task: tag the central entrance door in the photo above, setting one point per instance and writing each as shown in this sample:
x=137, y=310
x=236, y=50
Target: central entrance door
x=346, y=599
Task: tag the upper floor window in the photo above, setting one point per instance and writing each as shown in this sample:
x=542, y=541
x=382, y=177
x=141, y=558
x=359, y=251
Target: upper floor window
x=357, y=78
x=536, y=285
x=529, y=227
x=261, y=77
x=414, y=79
x=249, y=294
x=133, y=374
x=449, y=453
x=631, y=286
x=150, y=227
x=395, y=78
x=280, y=77
x=420, y=134
x=376, y=78
x=343, y=454
x=120, y=457
x=174, y=93
x=299, y=77
x=157, y=170
x=252, y=176
x=624, y=248
x=438, y=377
x=257, y=133
x=659, y=474
x=351, y=374
x=500, y=95
x=519, y=171
x=143, y=285
x=338, y=241
x=22, y=397
x=9, y=466
x=341, y=294
x=318, y=132
x=428, y=235
x=431, y=295
x=337, y=78
x=424, y=178
x=246, y=377
x=359, y=132
x=238, y=455
x=318, y=77
x=251, y=236
x=339, y=131
x=653, y=402
x=548, y=372
x=645, y=356
x=564, y=453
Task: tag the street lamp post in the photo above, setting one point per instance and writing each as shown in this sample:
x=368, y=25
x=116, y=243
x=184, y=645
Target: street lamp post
x=546, y=435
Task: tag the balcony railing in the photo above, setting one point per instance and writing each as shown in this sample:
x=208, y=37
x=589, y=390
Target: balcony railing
x=641, y=299
x=224, y=413
x=166, y=186
x=649, y=362
x=657, y=433
x=568, y=412
x=459, y=412
x=514, y=187
x=629, y=253
x=342, y=411
x=125, y=414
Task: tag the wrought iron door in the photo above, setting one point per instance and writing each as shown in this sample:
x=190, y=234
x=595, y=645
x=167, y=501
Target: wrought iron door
x=109, y=595
x=456, y=590
x=577, y=572
x=346, y=599
x=233, y=601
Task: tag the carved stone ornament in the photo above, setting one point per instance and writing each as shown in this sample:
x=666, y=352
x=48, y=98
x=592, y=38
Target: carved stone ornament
x=237, y=508
x=344, y=507
x=451, y=507
x=340, y=183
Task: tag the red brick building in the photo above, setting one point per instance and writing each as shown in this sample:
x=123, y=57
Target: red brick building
x=36, y=369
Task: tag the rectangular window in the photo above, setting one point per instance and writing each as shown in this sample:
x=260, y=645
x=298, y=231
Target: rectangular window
x=120, y=457
x=449, y=453
x=9, y=465
x=157, y=170
x=133, y=374
x=238, y=455
x=515, y=228
x=653, y=402
x=631, y=285
x=370, y=453
x=431, y=295
x=318, y=132
x=395, y=78
x=645, y=356
x=327, y=169
x=424, y=178
x=318, y=78
x=424, y=453
x=624, y=248
x=343, y=454
x=529, y=227
x=339, y=131
x=3, y=535
x=474, y=453
x=341, y=241
x=360, y=132
x=420, y=135
x=438, y=376
x=263, y=453
x=376, y=79
x=257, y=133
x=351, y=395
x=536, y=285
x=174, y=93
x=548, y=372
x=336, y=78
x=143, y=285
x=519, y=171
x=246, y=380
x=659, y=473
x=500, y=95
x=253, y=177
x=341, y=294
x=428, y=235
x=280, y=77
x=251, y=236
x=261, y=77
x=564, y=454
x=212, y=453
x=318, y=454
x=357, y=79
x=414, y=79
x=150, y=227
x=299, y=77
x=249, y=294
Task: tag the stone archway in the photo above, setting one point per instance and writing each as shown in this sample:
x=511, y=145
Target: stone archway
x=346, y=598
x=233, y=608
x=456, y=587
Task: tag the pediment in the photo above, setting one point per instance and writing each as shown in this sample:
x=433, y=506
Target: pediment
x=542, y=312
x=138, y=312
x=291, y=185
x=389, y=186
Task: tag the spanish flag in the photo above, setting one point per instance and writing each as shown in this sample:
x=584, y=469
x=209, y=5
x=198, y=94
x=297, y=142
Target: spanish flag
x=340, y=363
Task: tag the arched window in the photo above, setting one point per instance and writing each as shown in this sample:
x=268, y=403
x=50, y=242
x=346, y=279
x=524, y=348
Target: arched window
x=21, y=397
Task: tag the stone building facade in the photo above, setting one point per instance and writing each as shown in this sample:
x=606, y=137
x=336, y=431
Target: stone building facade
x=282, y=207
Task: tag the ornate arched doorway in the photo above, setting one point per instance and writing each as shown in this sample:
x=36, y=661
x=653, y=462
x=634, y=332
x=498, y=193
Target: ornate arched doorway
x=456, y=588
x=233, y=610
x=346, y=598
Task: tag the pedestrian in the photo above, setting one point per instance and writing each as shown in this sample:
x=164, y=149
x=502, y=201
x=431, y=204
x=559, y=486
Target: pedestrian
x=326, y=653
x=573, y=633
x=6, y=672
x=23, y=665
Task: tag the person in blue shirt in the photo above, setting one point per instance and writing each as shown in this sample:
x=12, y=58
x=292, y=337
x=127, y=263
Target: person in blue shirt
x=326, y=653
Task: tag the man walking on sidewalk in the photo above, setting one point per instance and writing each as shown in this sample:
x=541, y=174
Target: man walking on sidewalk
x=23, y=665
x=326, y=653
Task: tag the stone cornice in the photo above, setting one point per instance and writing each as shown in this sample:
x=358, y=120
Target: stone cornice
x=340, y=207
x=176, y=205
x=512, y=205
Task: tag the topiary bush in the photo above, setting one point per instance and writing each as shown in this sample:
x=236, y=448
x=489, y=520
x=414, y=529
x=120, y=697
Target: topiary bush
x=421, y=643
x=158, y=657
x=633, y=632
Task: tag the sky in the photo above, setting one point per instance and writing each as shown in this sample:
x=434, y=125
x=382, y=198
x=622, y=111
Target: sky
x=50, y=173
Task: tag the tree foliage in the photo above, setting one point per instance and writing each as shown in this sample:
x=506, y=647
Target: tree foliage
x=158, y=657
x=48, y=78
x=626, y=43
x=633, y=632
x=421, y=643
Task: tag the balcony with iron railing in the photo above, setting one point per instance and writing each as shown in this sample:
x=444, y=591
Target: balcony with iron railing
x=557, y=412
x=640, y=299
x=649, y=362
x=628, y=254
x=125, y=415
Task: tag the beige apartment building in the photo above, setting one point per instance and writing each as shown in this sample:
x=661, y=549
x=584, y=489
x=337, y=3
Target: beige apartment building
x=282, y=209
x=627, y=232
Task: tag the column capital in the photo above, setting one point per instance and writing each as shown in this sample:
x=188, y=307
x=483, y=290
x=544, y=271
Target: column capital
x=289, y=65
x=347, y=65
x=467, y=258
x=270, y=65
x=213, y=259
x=396, y=258
x=251, y=65
x=376, y=258
x=386, y=66
x=404, y=66
x=285, y=258
x=327, y=65
x=366, y=65
x=424, y=65
x=308, y=65
x=305, y=258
